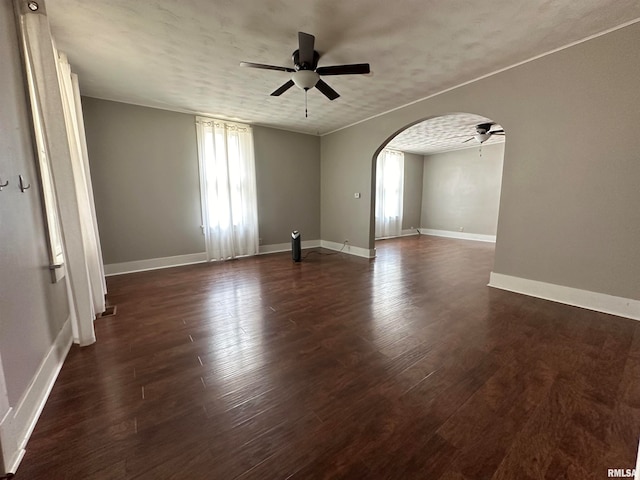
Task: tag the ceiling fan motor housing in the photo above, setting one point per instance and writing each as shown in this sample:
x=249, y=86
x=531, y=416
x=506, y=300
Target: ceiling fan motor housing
x=483, y=128
x=305, y=66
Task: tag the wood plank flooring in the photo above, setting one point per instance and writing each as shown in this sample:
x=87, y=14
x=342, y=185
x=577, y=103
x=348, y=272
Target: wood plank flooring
x=404, y=367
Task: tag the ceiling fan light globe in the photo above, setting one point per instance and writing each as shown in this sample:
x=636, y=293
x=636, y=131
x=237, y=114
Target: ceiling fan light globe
x=305, y=79
x=482, y=137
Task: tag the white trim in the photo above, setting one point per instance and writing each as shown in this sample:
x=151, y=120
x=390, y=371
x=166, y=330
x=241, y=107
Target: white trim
x=478, y=237
x=404, y=233
x=637, y=475
x=10, y=455
x=240, y=120
x=350, y=249
x=6, y=437
x=196, y=113
x=286, y=247
x=572, y=44
x=599, y=302
x=18, y=424
x=192, y=258
x=154, y=263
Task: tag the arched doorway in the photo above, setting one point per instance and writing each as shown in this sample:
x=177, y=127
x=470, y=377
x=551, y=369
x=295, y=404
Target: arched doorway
x=439, y=176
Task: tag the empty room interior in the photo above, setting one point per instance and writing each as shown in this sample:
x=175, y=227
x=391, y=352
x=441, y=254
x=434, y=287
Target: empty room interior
x=300, y=240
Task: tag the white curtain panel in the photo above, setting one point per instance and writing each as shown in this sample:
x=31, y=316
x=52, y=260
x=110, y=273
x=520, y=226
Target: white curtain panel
x=229, y=199
x=389, y=193
x=74, y=122
x=55, y=113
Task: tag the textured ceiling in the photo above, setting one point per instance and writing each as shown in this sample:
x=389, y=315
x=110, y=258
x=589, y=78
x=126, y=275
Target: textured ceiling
x=442, y=134
x=184, y=55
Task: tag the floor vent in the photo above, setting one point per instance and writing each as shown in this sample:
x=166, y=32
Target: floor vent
x=110, y=311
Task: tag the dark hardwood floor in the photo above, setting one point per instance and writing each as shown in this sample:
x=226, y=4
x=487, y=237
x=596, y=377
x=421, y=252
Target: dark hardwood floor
x=404, y=367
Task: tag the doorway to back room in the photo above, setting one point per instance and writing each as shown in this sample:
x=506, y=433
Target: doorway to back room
x=441, y=176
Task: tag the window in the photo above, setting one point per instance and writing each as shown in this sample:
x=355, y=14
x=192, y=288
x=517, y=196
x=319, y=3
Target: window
x=228, y=185
x=389, y=193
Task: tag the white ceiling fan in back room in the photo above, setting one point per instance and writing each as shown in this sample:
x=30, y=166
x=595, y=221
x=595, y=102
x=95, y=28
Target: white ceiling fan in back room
x=484, y=132
x=306, y=73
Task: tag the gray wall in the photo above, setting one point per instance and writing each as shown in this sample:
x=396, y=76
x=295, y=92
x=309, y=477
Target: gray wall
x=144, y=168
x=569, y=203
x=462, y=190
x=288, y=183
x=412, y=193
x=32, y=309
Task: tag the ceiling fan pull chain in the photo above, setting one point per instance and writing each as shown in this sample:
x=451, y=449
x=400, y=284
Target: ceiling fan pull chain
x=305, y=103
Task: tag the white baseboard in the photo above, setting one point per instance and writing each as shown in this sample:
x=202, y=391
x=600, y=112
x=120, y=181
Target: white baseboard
x=189, y=259
x=166, y=262
x=599, y=302
x=350, y=249
x=154, y=263
x=637, y=476
x=18, y=424
x=403, y=233
x=478, y=237
x=286, y=247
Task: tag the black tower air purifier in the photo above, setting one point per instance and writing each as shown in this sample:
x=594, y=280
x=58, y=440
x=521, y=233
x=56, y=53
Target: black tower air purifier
x=296, y=250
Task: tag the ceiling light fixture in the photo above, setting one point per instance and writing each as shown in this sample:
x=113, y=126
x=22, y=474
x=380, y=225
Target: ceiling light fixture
x=305, y=79
x=482, y=137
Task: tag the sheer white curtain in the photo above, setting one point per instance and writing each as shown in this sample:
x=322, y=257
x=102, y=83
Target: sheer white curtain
x=57, y=115
x=74, y=123
x=389, y=193
x=228, y=183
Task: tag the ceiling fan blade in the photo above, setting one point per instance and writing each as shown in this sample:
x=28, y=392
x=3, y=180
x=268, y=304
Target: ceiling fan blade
x=305, y=47
x=328, y=92
x=283, y=89
x=353, y=69
x=497, y=132
x=266, y=67
x=468, y=140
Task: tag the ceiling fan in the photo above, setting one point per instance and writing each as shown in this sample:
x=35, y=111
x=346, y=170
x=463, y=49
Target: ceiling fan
x=484, y=132
x=306, y=73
